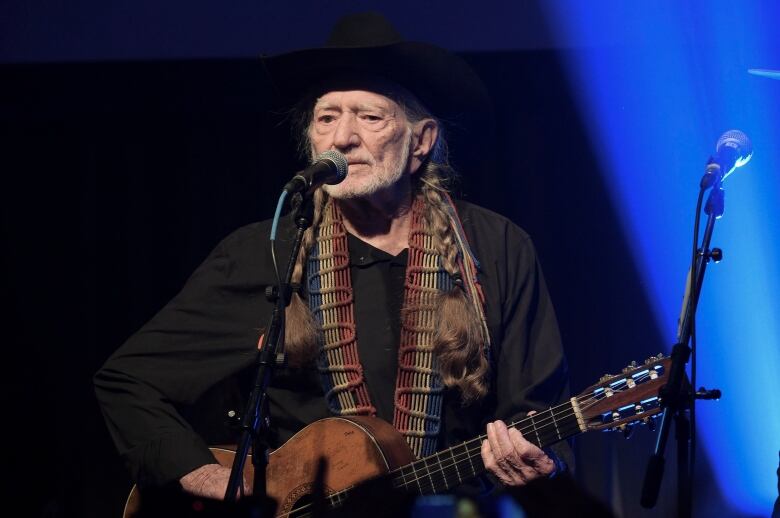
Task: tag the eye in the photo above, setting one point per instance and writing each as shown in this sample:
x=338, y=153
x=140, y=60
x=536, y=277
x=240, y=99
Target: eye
x=371, y=118
x=326, y=119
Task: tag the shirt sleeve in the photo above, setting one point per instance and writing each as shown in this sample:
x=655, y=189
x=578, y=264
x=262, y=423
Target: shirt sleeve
x=208, y=332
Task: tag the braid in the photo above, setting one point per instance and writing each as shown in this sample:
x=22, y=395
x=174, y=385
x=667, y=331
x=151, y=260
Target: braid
x=438, y=220
x=301, y=330
x=459, y=339
x=319, y=200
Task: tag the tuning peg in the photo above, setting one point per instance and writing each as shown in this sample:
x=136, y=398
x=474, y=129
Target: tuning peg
x=652, y=359
x=605, y=377
x=627, y=431
x=650, y=422
x=631, y=366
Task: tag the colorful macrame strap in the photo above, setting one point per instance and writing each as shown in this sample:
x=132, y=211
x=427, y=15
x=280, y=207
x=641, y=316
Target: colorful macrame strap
x=419, y=388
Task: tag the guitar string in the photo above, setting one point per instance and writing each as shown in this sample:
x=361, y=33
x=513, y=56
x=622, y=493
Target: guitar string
x=460, y=457
x=424, y=484
x=468, y=453
x=445, y=470
x=537, y=425
x=335, y=498
x=545, y=434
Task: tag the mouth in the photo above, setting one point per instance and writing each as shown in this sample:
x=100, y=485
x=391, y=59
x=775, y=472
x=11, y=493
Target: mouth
x=356, y=160
x=356, y=166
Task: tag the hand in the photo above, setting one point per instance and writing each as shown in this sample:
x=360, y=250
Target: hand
x=511, y=458
x=210, y=481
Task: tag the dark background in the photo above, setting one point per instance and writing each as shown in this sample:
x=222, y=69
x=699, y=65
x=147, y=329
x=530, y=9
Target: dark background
x=120, y=176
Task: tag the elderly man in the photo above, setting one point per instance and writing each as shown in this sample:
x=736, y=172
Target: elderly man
x=439, y=320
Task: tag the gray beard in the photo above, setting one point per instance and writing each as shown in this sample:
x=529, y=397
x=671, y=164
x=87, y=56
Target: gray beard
x=377, y=182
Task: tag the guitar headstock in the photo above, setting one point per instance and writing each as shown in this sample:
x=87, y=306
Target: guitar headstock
x=620, y=400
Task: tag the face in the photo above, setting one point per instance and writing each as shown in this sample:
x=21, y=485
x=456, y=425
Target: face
x=372, y=131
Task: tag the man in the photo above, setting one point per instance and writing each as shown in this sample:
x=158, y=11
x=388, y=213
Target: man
x=428, y=313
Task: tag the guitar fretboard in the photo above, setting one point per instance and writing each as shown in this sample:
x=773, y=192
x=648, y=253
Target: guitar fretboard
x=453, y=466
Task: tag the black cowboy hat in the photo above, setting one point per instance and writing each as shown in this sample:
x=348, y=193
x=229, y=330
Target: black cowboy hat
x=367, y=44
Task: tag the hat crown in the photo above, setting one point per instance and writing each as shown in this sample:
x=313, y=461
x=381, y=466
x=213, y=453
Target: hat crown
x=369, y=29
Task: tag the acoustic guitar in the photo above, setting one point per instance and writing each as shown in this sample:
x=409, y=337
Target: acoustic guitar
x=336, y=456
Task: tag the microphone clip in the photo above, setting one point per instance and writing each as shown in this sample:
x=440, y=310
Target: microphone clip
x=713, y=174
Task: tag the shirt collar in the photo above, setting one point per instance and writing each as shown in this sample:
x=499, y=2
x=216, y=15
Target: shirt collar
x=363, y=254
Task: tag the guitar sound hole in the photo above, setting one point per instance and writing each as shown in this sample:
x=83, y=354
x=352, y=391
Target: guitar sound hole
x=302, y=507
x=303, y=503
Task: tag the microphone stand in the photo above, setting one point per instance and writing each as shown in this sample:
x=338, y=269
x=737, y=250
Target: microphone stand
x=677, y=396
x=256, y=420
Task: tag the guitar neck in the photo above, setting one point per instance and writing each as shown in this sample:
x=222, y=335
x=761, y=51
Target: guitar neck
x=451, y=467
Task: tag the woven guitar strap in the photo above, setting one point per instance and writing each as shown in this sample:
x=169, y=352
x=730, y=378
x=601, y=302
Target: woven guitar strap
x=419, y=388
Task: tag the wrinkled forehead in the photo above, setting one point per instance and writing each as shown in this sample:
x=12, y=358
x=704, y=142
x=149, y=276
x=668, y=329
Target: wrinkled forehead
x=378, y=85
x=359, y=99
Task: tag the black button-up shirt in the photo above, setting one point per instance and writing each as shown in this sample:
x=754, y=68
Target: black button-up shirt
x=378, y=288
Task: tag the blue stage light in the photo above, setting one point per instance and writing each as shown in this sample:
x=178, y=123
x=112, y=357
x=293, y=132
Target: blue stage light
x=658, y=84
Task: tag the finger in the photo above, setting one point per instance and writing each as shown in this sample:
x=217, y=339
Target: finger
x=505, y=456
x=501, y=443
x=532, y=456
x=492, y=465
x=510, y=453
x=498, y=451
x=493, y=444
x=525, y=448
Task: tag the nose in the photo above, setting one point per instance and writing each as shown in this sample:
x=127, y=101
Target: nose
x=345, y=135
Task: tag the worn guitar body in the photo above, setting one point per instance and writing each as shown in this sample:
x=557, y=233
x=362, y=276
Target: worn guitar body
x=355, y=449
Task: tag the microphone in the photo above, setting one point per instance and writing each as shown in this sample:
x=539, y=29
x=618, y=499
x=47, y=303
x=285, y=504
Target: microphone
x=329, y=167
x=733, y=150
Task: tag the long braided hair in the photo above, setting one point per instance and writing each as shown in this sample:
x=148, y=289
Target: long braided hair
x=459, y=337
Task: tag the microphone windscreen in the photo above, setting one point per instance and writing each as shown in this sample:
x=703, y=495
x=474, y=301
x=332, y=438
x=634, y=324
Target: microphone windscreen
x=738, y=142
x=339, y=160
